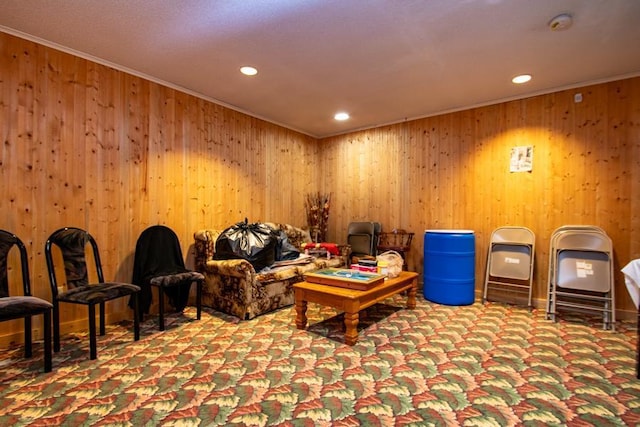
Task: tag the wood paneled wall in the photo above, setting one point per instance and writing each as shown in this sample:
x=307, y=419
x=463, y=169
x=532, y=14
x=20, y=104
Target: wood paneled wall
x=89, y=146
x=85, y=145
x=452, y=171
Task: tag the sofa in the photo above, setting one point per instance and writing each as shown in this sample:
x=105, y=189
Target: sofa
x=234, y=287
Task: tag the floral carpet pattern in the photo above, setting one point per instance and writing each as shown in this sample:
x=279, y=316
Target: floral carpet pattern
x=480, y=365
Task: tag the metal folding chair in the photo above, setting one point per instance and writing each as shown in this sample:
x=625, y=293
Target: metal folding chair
x=582, y=277
x=361, y=236
x=510, y=262
x=552, y=249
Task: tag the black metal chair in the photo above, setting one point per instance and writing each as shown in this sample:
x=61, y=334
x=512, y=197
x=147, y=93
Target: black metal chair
x=25, y=306
x=158, y=262
x=77, y=289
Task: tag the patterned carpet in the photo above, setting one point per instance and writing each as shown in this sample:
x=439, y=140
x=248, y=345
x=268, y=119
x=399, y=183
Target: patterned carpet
x=492, y=365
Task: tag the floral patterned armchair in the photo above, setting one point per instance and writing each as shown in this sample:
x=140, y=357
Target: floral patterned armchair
x=234, y=287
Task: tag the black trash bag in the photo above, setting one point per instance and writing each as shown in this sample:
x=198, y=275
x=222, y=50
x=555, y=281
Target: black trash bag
x=254, y=242
x=285, y=251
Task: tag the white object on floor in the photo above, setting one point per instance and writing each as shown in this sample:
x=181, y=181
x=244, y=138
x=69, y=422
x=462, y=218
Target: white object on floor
x=632, y=280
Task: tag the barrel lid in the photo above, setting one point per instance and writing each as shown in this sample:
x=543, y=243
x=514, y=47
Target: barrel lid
x=450, y=231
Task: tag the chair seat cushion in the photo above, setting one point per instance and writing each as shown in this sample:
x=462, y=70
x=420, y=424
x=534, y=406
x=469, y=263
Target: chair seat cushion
x=95, y=293
x=17, y=307
x=176, y=279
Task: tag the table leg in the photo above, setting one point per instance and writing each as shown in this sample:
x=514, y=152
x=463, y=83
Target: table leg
x=301, y=314
x=351, y=324
x=411, y=299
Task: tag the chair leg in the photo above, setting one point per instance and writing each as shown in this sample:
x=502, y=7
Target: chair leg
x=103, y=328
x=136, y=317
x=47, y=341
x=140, y=313
x=56, y=326
x=27, y=337
x=199, y=299
x=93, y=345
x=161, y=308
x=485, y=287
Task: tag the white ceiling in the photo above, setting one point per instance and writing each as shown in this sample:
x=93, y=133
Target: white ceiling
x=383, y=61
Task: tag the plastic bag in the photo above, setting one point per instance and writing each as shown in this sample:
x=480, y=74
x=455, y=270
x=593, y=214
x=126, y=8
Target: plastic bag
x=394, y=262
x=284, y=249
x=255, y=243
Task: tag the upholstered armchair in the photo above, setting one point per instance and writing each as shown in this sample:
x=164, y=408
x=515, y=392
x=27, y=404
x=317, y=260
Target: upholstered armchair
x=235, y=288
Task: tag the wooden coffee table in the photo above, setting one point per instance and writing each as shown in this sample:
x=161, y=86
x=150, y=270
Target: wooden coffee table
x=352, y=301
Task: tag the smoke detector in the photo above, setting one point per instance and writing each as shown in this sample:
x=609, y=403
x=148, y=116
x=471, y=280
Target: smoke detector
x=561, y=22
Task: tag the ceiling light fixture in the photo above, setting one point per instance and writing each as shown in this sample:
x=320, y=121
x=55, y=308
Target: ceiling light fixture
x=561, y=22
x=248, y=71
x=523, y=78
x=341, y=116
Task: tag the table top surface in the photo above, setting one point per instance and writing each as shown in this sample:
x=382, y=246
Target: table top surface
x=405, y=276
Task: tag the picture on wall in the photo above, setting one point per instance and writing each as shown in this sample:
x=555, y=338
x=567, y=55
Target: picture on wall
x=521, y=159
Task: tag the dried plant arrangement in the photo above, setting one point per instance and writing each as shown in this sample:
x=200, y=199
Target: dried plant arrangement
x=317, y=206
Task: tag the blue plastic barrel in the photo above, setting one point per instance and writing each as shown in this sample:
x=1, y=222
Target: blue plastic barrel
x=449, y=266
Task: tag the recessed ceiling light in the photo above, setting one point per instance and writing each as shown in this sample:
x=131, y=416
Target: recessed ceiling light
x=561, y=22
x=248, y=71
x=341, y=116
x=523, y=78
